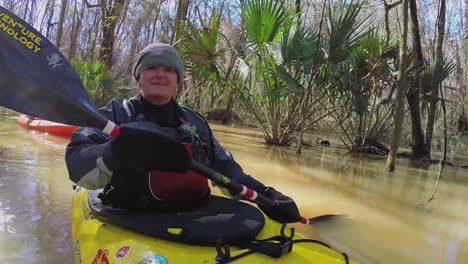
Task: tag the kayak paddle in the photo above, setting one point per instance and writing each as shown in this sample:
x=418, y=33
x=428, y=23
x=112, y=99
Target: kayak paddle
x=248, y=193
x=37, y=80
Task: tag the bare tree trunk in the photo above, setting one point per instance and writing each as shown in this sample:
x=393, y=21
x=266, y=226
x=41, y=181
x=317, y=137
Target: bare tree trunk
x=444, y=111
x=123, y=18
x=212, y=98
x=76, y=27
x=25, y=11
x=401, y=90
x=389, y=7
x=156, y=17
x=10, y=5
x=135, y=33
x=439, y=61
x=312, y=79
x=298, y=7
x=182, y=10
x=228, y=111
x=91, y=43
x=51, y=15
x=47, y=8
x=419, y=148
x=32, y=19
x=460, y=81
x=61, y=22
x=110, y=16
x=75, y=19
x=198, y=93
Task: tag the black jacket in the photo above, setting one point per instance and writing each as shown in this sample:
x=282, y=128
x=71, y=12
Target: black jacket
x=89, y=161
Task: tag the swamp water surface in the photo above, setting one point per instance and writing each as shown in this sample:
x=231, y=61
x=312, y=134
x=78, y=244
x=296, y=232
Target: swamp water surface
x=410, y=216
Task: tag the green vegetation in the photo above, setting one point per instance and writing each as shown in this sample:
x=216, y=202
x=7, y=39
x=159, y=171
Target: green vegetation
x=290, y=68
x=99, y=81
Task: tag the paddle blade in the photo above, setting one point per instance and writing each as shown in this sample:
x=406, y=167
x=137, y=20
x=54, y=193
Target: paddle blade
x=36, y=79
x=343, y=233
x=324, y=218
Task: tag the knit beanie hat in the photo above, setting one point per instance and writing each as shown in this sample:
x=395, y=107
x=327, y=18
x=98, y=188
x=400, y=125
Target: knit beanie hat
x=159, y=54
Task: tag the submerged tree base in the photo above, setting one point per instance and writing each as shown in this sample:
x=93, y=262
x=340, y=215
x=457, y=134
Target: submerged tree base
x=429, y=161
x=368, y=146
x=222, y=115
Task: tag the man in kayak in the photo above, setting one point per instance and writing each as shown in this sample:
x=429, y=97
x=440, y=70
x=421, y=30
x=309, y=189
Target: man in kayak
x=138, y=172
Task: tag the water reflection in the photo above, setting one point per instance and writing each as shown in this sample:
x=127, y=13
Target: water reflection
x=410, y=216
x=34, y=198
x=6, y=220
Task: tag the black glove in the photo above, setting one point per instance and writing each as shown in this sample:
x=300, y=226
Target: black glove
x=285, y=210
x=144, y=145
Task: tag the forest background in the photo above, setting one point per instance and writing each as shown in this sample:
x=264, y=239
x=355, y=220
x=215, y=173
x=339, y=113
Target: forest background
x=289, y=68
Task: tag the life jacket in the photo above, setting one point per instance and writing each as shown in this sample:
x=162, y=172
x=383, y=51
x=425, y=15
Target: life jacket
x=159, y=190
x=174, y=186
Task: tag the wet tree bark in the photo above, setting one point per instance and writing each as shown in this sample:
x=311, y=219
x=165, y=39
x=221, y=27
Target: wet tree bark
x=111, y=12
x=419, y=149
x=89, y=52
x=434, y=100
x=156, y=17
x=298, y=7
x=182, y=11
x=388, y=7
x=76, y=27
x=402, y=86
x=110, y=16
x=50, y=24
x=61, y=21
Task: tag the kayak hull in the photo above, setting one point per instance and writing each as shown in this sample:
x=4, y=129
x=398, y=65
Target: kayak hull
x=97, y=242
x=45, y=126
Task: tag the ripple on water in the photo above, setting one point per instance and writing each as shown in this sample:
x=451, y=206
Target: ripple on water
x=393, y=221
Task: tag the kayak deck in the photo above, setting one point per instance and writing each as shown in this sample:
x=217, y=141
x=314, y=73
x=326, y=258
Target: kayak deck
x=204, y=224
x=98, y=242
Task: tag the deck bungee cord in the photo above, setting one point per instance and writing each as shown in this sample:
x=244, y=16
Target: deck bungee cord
x=275, y=247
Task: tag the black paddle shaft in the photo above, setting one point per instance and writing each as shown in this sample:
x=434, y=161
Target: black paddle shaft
x=232, y=186
x=246, y=192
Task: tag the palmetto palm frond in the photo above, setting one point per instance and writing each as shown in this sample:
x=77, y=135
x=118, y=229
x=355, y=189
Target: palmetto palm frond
x=344, y=29
x=434, y=75
x=368, y=58
x=98, y=80
x=299, y=46
x=201, y=46
x=265, y=20
x=290, y=82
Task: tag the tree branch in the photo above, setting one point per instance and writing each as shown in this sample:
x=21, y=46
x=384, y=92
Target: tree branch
x=390, y=6
x=88, y=5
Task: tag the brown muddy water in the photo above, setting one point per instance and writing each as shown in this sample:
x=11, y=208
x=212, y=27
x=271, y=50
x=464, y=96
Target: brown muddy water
x=410, y=216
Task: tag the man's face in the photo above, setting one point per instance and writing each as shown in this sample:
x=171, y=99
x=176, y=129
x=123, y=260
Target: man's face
x=158, y=84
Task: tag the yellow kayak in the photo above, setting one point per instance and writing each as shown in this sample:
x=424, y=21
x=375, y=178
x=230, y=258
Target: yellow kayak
x=97, y=239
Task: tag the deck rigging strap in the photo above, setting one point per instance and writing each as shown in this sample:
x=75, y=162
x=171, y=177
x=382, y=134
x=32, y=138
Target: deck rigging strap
x=276, y=247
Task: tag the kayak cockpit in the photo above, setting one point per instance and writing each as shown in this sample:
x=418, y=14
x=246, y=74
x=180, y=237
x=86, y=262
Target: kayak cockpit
x=217, y=220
